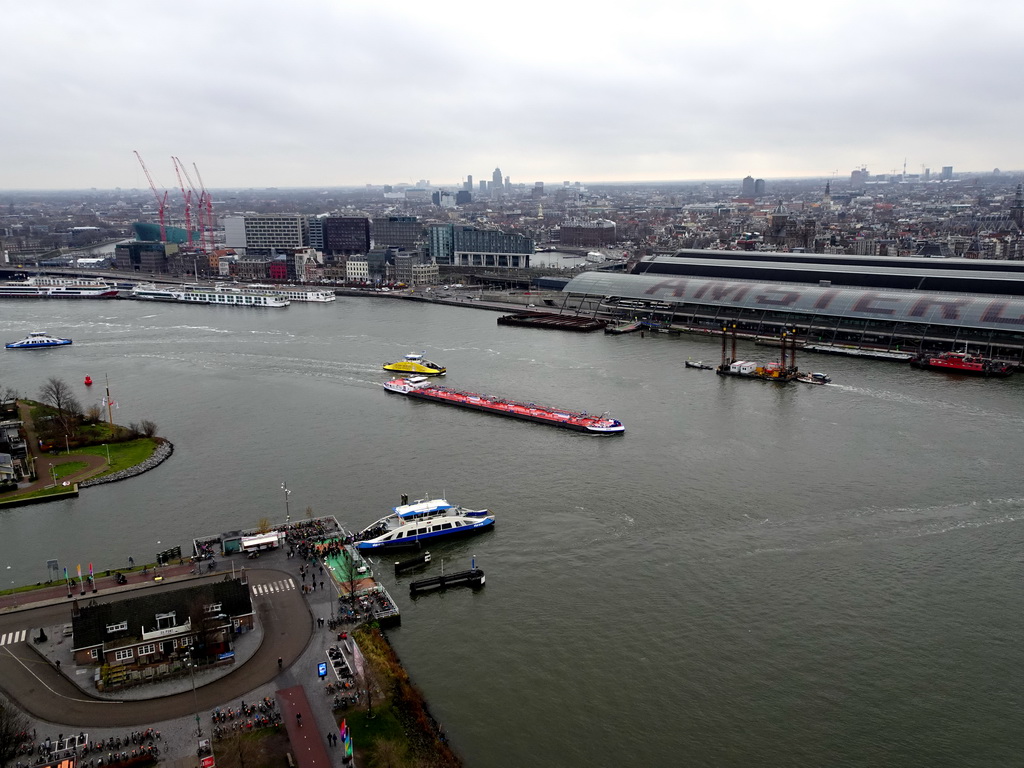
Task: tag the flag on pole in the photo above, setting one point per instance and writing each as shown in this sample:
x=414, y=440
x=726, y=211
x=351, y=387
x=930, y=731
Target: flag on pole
x=343, y=731
x=66, y=575
x=348, y=746
x=79, y=571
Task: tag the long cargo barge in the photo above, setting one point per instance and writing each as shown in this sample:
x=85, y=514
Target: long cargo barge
x=553, y=320
x=421, y=388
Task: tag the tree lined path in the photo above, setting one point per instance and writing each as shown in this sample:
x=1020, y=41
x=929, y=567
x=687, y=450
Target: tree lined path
x=44, y=461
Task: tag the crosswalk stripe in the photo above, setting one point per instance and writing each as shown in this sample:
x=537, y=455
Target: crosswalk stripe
x=21, y=636
x=3, y=640
x=291, y=584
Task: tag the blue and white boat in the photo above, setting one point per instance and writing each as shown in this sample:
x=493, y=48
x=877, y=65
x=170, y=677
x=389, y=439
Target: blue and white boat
x=409, y=524
x=38, y=340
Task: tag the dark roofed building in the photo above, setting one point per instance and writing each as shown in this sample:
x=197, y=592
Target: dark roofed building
x=152, y=633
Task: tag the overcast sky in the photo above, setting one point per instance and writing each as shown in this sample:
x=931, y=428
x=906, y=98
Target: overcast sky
x=318, y=93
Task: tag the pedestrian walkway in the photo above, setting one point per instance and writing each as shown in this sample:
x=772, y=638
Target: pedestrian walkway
x=9, y=638
x=285, y=585
x=305, y=737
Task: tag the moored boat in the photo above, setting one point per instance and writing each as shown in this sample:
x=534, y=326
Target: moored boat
x=699, y=365
x=189, y=294
x=413, y=363
x=419, y=387
x=38, y=340
x=963, y=362
x=57, y=288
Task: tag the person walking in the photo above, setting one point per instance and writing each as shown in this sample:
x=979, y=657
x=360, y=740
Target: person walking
x=280, y=663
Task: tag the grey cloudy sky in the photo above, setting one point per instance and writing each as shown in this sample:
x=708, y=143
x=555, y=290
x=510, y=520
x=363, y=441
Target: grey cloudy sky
x=317, y=93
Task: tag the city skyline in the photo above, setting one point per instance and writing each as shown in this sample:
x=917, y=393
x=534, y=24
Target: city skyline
x=320, y=95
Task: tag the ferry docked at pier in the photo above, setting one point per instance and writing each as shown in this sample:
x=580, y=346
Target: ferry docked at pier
x=963, y=362
x=56, y=288
x=409, y=524
x=420, y=387
x=38, y=340
x=189, y=294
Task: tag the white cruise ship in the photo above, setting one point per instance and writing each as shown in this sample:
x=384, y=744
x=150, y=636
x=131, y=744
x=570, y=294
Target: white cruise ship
x=192, y=294
x=290, y=292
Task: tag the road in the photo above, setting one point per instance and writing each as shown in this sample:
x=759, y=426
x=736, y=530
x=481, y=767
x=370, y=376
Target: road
x=45, y=693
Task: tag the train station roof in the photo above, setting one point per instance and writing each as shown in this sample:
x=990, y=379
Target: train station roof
x=1005, y=313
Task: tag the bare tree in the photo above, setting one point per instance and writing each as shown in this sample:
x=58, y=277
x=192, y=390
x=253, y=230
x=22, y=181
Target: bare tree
x=147, y=428
x=58, y=395
x=8, y=395
x=13, y=730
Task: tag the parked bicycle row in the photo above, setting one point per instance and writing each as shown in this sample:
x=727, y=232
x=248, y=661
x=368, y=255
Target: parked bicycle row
x=265, y=705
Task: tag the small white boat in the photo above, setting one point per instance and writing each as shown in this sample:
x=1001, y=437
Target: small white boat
x=38, y=340
x=814, y=378
x=409, y=524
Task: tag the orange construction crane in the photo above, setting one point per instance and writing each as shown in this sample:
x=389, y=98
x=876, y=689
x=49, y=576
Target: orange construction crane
x=161, y=203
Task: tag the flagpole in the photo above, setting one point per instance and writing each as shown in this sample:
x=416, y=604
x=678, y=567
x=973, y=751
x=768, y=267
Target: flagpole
x=110, y=413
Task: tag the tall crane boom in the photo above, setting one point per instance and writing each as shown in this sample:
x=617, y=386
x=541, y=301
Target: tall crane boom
x=161, y=202
x=208, y=231
x=187, y=198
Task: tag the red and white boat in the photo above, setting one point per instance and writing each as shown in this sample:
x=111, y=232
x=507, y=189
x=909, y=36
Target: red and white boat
x=421, y=388
x=963, y=362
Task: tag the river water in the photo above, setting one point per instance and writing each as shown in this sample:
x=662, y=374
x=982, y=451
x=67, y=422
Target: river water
x=751, y=575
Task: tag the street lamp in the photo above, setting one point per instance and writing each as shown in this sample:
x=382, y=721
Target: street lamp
x=108, y=453
x=195, y=698
x=287, y=510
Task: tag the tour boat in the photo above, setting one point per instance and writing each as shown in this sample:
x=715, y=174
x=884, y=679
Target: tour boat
x=416, y=364
x=408, y=524
x=38, y=340
x=963, y=362
x=419, y=387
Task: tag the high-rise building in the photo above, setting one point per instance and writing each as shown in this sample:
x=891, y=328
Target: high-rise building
x=346, y=235
x=599, y=232
x=260, y=234
x=483, y=186
x=396, y=231
x=471, y=247
x=747, y=189
x=468, y=184
x=947, y=172
x=758, y=187
x=496, y=185
x=538, y=189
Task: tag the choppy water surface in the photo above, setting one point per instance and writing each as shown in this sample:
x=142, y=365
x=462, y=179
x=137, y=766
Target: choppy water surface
x=752, y=575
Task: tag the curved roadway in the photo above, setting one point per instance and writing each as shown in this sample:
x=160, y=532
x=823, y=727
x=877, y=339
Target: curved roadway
x=45, y=693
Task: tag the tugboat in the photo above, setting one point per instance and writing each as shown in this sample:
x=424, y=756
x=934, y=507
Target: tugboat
x=699, y=365
x=416, y=364
x=963, y=362
x=814, y=378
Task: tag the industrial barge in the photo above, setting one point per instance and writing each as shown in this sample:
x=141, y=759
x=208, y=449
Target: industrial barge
x=420, y=387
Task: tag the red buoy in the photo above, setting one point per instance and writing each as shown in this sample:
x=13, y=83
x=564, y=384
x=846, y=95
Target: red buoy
x=88, y=381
